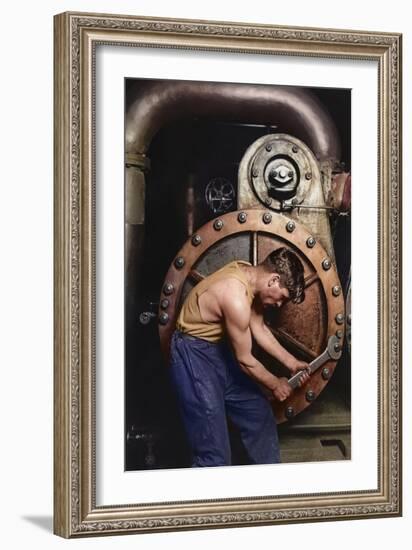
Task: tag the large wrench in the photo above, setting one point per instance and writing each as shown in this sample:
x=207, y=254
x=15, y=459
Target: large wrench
x=333, y=351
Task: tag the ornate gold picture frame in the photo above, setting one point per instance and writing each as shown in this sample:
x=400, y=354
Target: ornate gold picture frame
x=77, y=510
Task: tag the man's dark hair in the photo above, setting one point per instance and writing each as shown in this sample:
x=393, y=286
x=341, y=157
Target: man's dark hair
x=286, y=263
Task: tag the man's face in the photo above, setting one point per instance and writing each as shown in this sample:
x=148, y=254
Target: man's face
x=274, y=294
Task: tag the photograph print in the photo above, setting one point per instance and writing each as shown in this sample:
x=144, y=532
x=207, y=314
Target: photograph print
x=237, y=296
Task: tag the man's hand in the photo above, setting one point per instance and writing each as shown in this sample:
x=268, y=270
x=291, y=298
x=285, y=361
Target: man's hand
x=296, y=366
x=282, y=390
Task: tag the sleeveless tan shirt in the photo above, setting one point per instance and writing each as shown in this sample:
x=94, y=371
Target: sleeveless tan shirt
x=190, y=320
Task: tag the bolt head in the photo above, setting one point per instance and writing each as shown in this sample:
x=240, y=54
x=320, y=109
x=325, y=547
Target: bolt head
x=163, y=318
x=164, y=304
x=218, y=224
x=255, y=172
x=339, y=333
x=310, y=242
x=196, y=240
x=268, y=147
x=308, y=176
x=290, y=412
x=179, y=262
x=325, y=373
x=267, y=217
x=242, y=217
x=310, y=396
x=290, y=226
x=337, y=347
x=295, y=149
x=336, y=290
x=340, y=318
x=268, y=201
x=168, y=289
x=326, y=264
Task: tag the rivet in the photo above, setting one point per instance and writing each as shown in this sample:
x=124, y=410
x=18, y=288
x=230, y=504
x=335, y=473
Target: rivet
x=196, y=240
x=310, y=396
x=340, y=318
x=164, y=304
x=218, y=224
x=295, y=149
x=168, y=289
x=268, y=147
x=325, y=373
x=290, y=412
x=326, y=264
x=310, y=242
x=339, y=333
x=308, y=175
x=242, y=217
x=268, y=201
x=163, y=318
x=179, y=262
x=267, y=217
x=255, y=172
x=337, y=347
x=336, y=290
x=290, y=226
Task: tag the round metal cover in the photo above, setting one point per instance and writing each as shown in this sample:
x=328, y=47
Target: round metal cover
x=304, y=329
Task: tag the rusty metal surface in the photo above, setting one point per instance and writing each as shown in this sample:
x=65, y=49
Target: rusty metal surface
x=304, y=328
x=339, y=196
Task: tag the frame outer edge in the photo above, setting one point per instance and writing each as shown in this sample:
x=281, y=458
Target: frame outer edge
x=61, y=220
x=72, y=483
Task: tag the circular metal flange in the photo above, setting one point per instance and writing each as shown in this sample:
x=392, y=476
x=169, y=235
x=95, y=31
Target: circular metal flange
x=279, y=167
x=262, y=239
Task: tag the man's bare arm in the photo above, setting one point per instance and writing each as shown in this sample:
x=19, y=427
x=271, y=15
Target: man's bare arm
x=236, y=312
x=268, y=342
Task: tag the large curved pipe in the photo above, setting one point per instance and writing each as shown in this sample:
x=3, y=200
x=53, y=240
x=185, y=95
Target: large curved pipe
x=296, y=110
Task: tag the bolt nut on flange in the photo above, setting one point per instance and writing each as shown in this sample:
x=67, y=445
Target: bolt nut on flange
x=164, y=304
x=310, y=242
x=179, y=262
x=326, y=264
x=325, y=373
x=163, y=318
x=336, y=290
x=290, y=412
x=340, y=318
x=267, y=217
x=242, y=217
x=196, y=240
x=218, y=224
x=310, y=396
x=290, y=226
x=168, y=289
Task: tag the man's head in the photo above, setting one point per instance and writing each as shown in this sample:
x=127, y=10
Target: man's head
x=281, y=278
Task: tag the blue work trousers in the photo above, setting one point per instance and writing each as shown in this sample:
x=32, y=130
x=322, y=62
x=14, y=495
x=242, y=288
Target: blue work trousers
x=209, y=384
